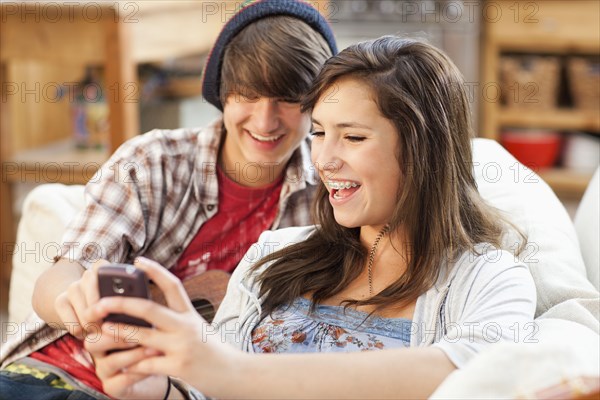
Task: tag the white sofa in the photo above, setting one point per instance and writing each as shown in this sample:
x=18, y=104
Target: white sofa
x=587, y=225
x=566, y=276
x=562, y=352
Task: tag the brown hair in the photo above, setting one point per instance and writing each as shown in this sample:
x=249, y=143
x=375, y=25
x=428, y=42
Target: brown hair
x=275, y=57
x=418, y=88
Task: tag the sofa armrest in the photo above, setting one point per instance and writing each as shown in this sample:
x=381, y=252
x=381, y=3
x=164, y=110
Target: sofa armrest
x=47, y=211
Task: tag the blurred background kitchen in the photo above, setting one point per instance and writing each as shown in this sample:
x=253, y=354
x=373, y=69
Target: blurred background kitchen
x=80, y=77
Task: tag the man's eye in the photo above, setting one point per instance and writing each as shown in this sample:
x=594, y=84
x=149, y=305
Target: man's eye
x=249, y=96
x=288, y=100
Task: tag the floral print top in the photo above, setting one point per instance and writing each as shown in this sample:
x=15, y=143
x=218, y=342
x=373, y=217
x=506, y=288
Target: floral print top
x=329, y=329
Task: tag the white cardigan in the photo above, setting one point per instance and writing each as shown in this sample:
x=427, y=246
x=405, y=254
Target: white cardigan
x=482, y=299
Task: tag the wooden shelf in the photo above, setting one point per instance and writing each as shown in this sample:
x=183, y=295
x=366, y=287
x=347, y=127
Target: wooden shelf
x=561, y=119
x=542, y=27
x=542, y=45
x=60, y=162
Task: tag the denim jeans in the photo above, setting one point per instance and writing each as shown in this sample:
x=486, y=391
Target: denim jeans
x=22, y=386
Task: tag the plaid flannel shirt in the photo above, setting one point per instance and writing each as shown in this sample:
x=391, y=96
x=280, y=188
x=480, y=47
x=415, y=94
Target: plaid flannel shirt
x=150, y=199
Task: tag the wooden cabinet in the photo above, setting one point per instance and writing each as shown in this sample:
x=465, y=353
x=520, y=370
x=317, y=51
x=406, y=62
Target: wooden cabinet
x=559, y=28
x=44, y=44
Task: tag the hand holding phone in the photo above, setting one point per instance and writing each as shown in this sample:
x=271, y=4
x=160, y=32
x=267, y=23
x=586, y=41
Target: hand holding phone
x=123, y=280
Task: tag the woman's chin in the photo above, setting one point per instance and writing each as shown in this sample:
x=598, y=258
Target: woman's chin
x=346, y=222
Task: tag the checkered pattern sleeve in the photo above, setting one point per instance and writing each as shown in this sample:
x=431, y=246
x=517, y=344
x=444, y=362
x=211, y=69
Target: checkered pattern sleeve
x=123, y=201
x=151, y=197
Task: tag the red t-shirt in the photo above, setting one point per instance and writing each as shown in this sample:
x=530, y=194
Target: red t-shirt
x=244, y=213
x=68, y=354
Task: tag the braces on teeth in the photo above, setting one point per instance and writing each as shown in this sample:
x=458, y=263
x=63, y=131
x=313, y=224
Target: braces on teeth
x=341, y=185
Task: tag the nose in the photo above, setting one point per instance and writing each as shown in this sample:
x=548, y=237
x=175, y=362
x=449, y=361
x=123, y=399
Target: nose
x=325, y=156
x=266, y=116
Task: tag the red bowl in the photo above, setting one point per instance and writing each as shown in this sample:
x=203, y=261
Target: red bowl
x=535, y=149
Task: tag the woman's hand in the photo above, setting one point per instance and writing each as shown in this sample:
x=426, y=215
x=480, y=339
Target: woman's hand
x=113, y=355
x=180, y=343
x=72, y=303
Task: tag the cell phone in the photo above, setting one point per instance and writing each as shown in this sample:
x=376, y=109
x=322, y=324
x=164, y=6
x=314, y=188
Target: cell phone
x=123, y=280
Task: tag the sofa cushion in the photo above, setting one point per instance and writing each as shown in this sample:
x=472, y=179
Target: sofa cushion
x=542, y=359
x=552, y=250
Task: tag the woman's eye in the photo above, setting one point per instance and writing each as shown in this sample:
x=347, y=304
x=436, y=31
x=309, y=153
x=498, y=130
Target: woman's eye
x=317, y=133
x=352, y=138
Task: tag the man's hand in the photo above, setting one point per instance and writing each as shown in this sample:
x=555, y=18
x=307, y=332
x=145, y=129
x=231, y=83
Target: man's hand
x=71, y=304
x=63, y=292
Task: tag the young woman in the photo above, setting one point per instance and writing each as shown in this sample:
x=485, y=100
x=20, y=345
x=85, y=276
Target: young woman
x=405, y=257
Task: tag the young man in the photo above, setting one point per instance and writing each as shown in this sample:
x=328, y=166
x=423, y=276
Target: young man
x=191, y=199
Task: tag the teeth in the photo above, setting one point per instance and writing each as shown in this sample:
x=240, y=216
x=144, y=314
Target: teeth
x=265, y=139
x=341, y=185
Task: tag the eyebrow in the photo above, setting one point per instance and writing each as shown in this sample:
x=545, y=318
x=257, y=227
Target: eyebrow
x=345, y=124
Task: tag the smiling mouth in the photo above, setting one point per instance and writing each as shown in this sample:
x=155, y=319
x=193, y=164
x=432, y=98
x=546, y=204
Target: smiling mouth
x=264, y=139
x=342, y=189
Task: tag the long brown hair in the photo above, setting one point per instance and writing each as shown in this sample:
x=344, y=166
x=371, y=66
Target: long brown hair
x=420, y=90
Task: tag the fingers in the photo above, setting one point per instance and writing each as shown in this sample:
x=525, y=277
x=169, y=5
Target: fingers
x=122, y=385
x=78, y=301
x=170, y=285
x=68, y=316
x=89, y=293
x=111, y=337
x=128, y=385
x=111, y=364
x=90, y=282
x=116, y=347
x=80, y=294
x=151, y=365
x=117, y=379
x=131, y=336
x=99, y=263
x=120, y=346
x=160, y=317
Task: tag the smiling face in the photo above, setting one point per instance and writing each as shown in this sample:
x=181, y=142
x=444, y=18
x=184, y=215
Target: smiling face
x=261, y=132
x=355, y=150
